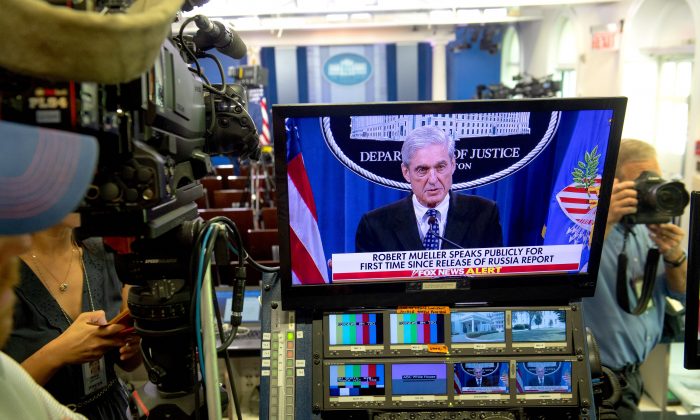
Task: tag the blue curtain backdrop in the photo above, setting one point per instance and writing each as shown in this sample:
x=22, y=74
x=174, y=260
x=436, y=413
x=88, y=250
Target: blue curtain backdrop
x=469, y=67
x=524, y=198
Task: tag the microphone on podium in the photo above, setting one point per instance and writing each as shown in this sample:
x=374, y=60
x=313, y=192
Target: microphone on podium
x=431, y=221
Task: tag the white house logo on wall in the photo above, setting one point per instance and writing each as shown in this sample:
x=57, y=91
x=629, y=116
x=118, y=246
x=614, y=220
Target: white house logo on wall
x=579, y=200
x=347, y=69
x=488, y=146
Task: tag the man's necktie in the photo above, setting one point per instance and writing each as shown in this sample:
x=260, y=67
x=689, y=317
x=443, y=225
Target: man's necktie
x=431, y=240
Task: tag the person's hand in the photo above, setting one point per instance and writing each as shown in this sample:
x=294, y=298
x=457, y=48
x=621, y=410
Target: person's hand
x=88, y=338
x=131, y=349
x=667, y=238
x=623, y=201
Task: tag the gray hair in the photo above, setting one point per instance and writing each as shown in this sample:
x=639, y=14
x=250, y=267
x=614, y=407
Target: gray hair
x=422, y=137
x=633, y=150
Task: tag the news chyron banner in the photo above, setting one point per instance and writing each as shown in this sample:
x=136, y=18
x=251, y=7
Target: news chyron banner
x=456, y=262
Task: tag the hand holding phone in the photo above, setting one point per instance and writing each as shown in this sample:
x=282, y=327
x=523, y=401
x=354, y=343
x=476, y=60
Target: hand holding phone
x=124, y=318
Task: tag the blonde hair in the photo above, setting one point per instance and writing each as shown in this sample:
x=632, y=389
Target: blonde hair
x=633, y=150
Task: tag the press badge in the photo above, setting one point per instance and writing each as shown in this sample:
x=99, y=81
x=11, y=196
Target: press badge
x=94, y=375
x=638, y=284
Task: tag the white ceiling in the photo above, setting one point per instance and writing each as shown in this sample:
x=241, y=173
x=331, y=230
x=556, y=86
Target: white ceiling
x=305, y=15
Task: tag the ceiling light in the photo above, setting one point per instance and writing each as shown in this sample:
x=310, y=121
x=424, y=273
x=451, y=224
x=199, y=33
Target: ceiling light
x=441, y=15
x=468, y=14
x=496, y=13
x=337, y=17
x=355, y=17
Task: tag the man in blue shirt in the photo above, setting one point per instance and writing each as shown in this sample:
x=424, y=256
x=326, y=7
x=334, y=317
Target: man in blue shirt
x=624, y=339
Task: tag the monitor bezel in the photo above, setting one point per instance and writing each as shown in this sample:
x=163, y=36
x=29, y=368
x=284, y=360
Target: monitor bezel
x=560, y=288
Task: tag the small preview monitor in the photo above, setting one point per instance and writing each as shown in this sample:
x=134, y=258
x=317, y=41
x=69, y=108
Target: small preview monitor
x=408, y=329
x=251, y=304
x=356, y=380
x=355, y=331
x=544, y=377
x=539, y=328
x=416, y=381
x=478, y=329
x=477, y=378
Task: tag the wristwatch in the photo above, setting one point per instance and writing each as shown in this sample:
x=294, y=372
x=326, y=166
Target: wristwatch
x=677, y=263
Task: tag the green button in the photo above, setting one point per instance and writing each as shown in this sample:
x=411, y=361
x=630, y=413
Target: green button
x=290, y=336
x=290, y=372
x=290, y=363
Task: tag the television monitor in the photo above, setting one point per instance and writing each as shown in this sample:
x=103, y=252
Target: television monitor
x=415, y=381
x=356, y=380
x=346, y=330
x=538, y=326
x=416, y=328
x=543, y=377
x=478, y=329
x=251, y=304
x=541, y=171
x=477, y=378
x=691, y=357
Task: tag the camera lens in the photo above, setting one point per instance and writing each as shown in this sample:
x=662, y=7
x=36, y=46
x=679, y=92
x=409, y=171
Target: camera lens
x=671, y=197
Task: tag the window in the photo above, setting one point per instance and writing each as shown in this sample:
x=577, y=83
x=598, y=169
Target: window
x=510, y=57
x=567, y=53
x=673, y=99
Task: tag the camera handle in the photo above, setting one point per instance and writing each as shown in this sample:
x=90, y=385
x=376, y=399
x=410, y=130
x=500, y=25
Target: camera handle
x=650, y=267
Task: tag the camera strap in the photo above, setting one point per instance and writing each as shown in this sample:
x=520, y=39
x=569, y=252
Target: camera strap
x=650, y=267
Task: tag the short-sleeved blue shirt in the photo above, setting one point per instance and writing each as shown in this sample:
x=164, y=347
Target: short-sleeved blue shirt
x=623, y=338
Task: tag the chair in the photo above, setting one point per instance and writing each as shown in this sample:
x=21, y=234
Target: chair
x=231, y=198
x=223, y=170
x=237, y=182
x=269, y=217
x=211, y=183
x=242, y=217
x=260, y=243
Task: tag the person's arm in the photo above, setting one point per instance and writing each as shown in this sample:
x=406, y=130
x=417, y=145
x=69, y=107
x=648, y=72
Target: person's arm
x=87, y=339
x=365, y=240
x=668, y=239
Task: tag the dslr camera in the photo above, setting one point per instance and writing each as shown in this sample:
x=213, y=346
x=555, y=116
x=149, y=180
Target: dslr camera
x=659, y=200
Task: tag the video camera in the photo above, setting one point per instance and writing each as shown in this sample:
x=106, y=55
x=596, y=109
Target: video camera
x=526, y=87
x=659, y=199
x=156, y=134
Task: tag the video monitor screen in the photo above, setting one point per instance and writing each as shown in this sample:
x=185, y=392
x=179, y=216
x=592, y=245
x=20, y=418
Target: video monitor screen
x=481, y=378
x=543, y=377
x=478, y=327
x=419, y=379
x=538, y=326
x=251, y=304
x=355, y=329
x=496, y=200
x=356, y=380
x=417, y=328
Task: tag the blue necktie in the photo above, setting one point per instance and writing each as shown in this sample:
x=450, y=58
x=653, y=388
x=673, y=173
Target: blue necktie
x=431, y=240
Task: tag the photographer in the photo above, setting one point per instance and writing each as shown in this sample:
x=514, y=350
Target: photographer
x=626, y=337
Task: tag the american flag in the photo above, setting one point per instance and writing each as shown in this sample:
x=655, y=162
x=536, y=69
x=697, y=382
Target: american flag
x=265, y=129
x=308, y=259
x=579, y=203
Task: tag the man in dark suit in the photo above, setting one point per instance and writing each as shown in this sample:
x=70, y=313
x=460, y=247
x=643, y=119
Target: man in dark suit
x=540, y=379
x=432, y=211
x=479, y=380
